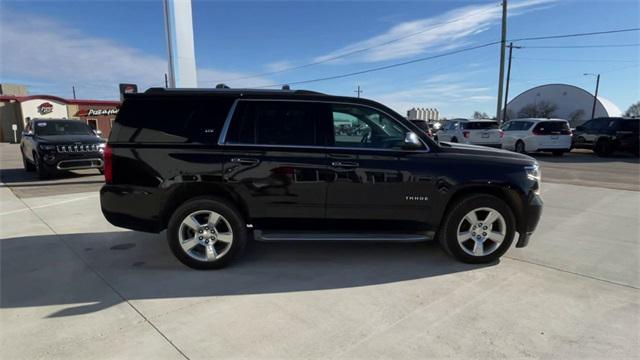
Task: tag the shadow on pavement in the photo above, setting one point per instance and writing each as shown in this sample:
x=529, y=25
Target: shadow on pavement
x=16, y=176
x=43, y=271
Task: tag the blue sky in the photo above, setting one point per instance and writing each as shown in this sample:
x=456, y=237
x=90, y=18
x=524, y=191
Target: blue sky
x=51, y=45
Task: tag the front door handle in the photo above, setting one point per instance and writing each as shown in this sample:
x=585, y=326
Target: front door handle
x=245, y=161
x=345, y=164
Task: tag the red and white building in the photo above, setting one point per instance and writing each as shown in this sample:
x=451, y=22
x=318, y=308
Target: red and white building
x=18, y=110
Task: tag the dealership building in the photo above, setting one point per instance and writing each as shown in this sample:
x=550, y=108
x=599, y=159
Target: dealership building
x=17, y=108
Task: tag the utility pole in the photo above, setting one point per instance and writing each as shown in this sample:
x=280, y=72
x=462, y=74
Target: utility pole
x=358, y=91
x=506, y=91
x=166, y=81
x=595, y=97
x=73, y=88
x=502, y=49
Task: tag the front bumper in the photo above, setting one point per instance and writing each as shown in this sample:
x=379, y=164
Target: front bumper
x=77, y=161
x=529, y=221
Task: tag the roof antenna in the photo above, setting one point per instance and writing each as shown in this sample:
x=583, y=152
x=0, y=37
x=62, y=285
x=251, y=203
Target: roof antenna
x=286, y=87
x=222, y=86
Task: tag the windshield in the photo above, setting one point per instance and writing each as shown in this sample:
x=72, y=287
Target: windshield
x=71, y=127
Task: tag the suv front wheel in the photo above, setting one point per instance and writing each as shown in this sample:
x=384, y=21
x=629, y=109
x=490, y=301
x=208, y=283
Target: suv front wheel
x=478, y=229
x=206, y=233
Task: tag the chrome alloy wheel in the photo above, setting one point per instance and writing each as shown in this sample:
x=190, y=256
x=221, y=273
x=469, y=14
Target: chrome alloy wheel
x=481, y=231
x=205, y=235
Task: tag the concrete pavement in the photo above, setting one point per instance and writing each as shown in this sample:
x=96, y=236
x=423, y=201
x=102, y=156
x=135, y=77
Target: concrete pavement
x=73, y=286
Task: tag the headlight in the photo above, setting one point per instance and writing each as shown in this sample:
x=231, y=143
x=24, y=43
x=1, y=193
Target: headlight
x=47, y=147
x=534, y=174
x=101, y=147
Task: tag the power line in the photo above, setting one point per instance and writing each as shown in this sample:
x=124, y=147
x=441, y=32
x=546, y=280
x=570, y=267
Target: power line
x=580, y=46
x=575, y=60
x=443, y=55
x=385, y=67
x=574, y=35
x=357, y=51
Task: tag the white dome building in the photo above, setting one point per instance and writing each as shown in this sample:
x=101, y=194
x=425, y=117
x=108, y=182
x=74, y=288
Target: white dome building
x=560, y=101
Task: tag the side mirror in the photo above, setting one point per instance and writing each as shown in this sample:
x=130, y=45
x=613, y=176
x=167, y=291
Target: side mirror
x=411, y=141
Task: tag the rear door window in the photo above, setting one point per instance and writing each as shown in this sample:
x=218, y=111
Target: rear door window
x=175, y=119
x=289, y=123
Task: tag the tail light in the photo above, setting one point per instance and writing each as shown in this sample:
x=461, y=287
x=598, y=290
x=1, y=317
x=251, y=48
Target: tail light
x=566, y=132
x=501, y=133
x=466, y=134
x=108, y=164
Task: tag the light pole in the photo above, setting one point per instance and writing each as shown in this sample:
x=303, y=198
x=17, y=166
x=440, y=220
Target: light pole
x=595, y=96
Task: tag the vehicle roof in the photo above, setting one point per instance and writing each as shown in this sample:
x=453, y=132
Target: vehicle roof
x=482, y=120
x=537, y=119
x=55, y=119
x=307, y=95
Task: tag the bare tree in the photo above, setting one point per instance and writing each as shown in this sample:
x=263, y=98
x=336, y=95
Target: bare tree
x=480, y=115
x=542, y=109
x=633, y=110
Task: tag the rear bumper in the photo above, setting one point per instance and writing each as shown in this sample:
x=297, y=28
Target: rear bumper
x=131, y=208
x=529, y=222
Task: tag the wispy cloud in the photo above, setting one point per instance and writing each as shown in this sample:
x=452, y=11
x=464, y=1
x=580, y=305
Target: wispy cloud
x=448, y=30
x=39, y=50
x=447, y=92
x=279, y=65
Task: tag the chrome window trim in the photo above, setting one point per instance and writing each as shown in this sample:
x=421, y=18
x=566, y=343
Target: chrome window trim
x=222, y=141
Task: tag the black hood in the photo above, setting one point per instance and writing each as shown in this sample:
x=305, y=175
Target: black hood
x=463, y=149
x=69, y=139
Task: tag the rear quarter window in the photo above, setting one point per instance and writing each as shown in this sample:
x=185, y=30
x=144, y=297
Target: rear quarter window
x=481, y=125
x=171, y=120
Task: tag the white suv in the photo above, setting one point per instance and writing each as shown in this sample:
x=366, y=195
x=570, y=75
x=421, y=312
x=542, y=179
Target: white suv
x=530, y=135
x=477, y=132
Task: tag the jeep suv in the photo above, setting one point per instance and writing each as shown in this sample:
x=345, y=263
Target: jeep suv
x=218, y=167
x=49, y=146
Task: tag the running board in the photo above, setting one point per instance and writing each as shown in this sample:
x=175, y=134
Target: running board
x=311, y=236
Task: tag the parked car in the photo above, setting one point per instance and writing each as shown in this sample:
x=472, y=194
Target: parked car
x=49, y=146
x=536, y=135
x=608, y=134
x=476, y=132
x=424, y=126
x=217, y=167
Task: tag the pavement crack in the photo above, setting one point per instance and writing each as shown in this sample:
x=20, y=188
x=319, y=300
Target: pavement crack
x=572, y=272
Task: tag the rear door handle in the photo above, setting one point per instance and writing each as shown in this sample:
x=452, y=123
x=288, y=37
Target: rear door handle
x=345, y=164
x=245, y=161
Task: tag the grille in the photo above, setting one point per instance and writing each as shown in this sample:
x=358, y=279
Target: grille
x=78, y=148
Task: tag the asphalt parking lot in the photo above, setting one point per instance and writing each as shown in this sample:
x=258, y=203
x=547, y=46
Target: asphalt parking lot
x=73, y=286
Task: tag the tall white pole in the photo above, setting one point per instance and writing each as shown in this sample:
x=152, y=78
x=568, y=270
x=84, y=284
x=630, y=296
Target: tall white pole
x=178, y=21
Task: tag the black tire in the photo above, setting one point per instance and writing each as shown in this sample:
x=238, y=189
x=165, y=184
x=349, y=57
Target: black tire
x=603, y=148
x=520, y=148
x=447, y=236
x=41, y=170
x=454, y=140
x=230, y=214
x=558, y=152
x=28, y=166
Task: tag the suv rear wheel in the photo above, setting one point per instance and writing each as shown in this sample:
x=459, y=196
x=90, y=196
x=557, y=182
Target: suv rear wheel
x=41, y=169
x=603, y=148
x=478, y=229
x=206, y=233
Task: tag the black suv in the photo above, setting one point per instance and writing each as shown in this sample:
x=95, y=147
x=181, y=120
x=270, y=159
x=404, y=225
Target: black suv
x=217, y=167
x=52, y=145
x=606, y=135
